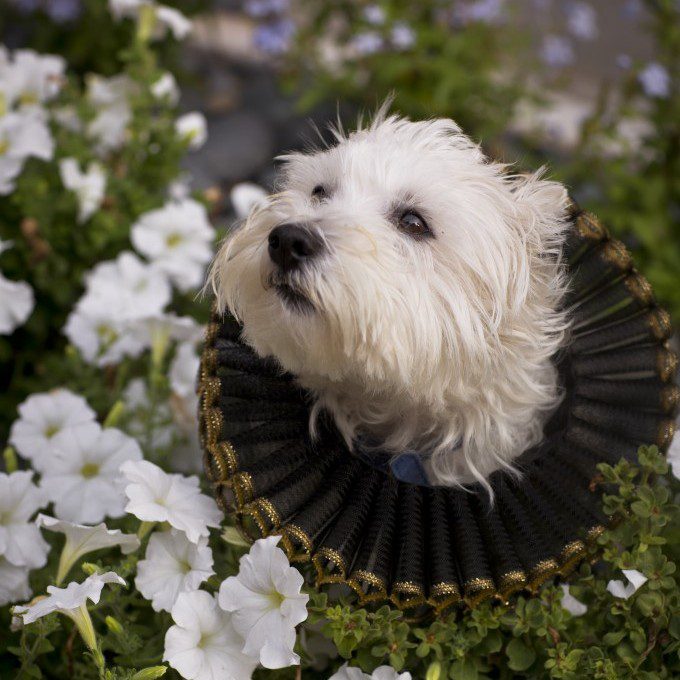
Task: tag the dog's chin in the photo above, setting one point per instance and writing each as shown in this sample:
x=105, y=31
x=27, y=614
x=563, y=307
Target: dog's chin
x=293, y=299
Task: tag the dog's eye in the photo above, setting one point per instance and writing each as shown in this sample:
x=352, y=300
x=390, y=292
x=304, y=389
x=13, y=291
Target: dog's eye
x=413, y=224
x=319, y=192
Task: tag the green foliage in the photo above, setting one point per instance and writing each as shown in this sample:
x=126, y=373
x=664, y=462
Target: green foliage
x=445, y=72
x=95, y=49
x=636, y=191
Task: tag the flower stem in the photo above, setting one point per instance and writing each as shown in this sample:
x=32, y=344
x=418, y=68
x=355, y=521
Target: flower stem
x=114, y=414
x=65, y=563
x=146, y=23
x=144, y=529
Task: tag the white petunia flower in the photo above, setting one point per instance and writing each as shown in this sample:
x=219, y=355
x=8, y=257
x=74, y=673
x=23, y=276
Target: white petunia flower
x=81, y=473
x=117, y=293
x=72, y=602
x=172, y=565
x=31, y=79
x=202, y=645
x=156, y=330
x=88, y=186
x=166, y=88
x=156, y=496
x=81, y=540
x=100, y=339
x=193, y=128
x=16, y=304
x=245, y=196
x=184, y=370
x=44, y=415
x=635, y=581
x=173, y=20
x=110, y=99
x=346, y=672
x=142, y=417
x=20, y=541
x=68, y=600
x=22, y=135
x=184, y=404
x=571, y=604
x=140, y=289
x=267, y=604
x=14, y=585
x=177, y=238
x=166, y=18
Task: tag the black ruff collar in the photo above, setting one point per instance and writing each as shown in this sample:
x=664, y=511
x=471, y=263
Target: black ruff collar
x=436, y=547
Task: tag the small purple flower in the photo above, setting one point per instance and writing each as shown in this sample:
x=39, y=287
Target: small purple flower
x=262, y=8
x=374, y=15
x=63, y=11
x=403, y=36
x=623, y=61
x=557, y=51
x=483, y=11
x=582, y=20
x=655, y=80
x=274, y=37
x=367, y=42
x=632, y=9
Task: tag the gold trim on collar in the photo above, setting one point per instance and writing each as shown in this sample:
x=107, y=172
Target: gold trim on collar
x=407, y=595
x=297, y=543
x=477, y=590
x=325, y=573
x=368, y=586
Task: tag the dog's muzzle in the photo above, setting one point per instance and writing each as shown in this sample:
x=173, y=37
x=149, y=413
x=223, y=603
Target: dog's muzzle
x=292, y=246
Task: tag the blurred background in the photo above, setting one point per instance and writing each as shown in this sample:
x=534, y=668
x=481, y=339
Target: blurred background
x=589, y=88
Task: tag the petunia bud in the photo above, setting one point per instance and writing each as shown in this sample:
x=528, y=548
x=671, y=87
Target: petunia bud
x=434, y=671
x=114, y=414
x=11, y=463
x=113, y=625
x=150, y=673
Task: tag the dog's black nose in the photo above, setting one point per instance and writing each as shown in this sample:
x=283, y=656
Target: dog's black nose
x=291, y=246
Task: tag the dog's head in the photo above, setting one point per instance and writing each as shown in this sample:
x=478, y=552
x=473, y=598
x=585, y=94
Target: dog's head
x=404, y=268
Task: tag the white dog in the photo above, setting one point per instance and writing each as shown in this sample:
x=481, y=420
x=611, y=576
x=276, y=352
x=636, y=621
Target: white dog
x=414, y=288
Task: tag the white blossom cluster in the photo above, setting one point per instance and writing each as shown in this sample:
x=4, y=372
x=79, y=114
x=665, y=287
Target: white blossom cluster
x=27, y=82
x=176, y=238
x=88, y=473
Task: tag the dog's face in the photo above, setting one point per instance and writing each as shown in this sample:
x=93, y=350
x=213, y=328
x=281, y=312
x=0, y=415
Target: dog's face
x=392, y=266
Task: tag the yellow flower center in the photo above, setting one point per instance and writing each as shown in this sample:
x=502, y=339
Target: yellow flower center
x=89, y=470
x=4, y=146
x=276, y=599
x=28, y=98
x=173, y=240
x=106, y=334
x=51, y=430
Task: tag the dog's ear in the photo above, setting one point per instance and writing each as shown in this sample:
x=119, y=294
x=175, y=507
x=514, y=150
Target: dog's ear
x=546, y=198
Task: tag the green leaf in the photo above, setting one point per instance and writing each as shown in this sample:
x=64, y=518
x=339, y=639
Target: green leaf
x=520, y=656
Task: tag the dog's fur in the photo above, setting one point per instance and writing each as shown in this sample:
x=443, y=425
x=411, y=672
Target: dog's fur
x=441, y=345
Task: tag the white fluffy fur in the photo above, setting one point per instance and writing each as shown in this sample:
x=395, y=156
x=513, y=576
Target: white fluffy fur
x=441, y=345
